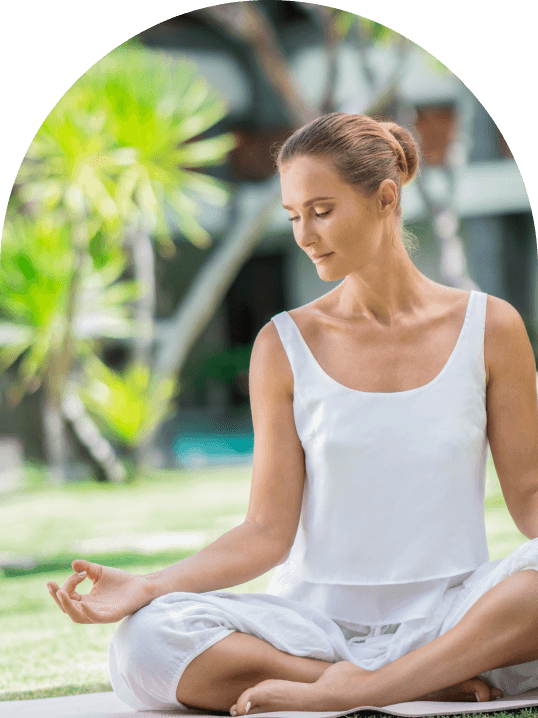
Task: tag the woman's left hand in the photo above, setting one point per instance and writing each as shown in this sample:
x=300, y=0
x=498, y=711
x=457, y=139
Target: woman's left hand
x=114, y=594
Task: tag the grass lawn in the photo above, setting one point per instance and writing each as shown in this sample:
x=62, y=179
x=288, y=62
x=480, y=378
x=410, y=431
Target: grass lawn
x=140, y=527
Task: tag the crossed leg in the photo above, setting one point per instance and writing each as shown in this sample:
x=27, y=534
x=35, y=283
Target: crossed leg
x=500, y=629
x=219, y=675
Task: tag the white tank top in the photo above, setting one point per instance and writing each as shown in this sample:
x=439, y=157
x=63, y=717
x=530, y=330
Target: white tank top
x=394, y=486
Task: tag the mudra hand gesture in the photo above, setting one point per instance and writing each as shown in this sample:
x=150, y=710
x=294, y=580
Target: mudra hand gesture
x=114, y=594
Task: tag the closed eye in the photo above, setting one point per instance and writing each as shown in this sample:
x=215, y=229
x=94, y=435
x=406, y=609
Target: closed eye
x=323, y=214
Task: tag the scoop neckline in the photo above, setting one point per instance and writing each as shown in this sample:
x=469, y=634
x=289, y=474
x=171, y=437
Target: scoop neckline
x=436, y=378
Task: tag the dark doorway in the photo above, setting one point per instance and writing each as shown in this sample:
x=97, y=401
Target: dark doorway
x=256, y=295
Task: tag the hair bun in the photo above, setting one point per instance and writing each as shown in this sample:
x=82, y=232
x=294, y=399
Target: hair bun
x=407, y=152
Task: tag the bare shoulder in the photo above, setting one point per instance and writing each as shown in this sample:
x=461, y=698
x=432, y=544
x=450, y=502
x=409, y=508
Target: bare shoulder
x=321, y=305
x=506, y=342
x=312, y=317
x=269, y=363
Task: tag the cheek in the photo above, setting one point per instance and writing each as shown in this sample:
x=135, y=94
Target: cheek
x=354, y=235
x=349, y=238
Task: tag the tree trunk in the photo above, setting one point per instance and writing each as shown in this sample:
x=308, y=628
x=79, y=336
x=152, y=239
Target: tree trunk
x=248, y=23
x=324, y=19
x=55, y=438
x=57, y=370
x=144, y=273
x=61, y=402
x=100, y=450
x=143, y=261
x=214, y=279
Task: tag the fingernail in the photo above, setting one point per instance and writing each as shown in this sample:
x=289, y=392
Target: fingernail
x=82, y=573
x=477, y=697
x=248, y=707
x=234, y=713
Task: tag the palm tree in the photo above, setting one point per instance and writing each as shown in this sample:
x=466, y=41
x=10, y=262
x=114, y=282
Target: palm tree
x=51, y=326
x=111, y=158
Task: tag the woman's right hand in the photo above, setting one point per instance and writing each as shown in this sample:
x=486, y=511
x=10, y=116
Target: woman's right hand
x=114, y=594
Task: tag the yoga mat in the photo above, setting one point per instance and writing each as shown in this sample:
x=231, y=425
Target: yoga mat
x=107, y=705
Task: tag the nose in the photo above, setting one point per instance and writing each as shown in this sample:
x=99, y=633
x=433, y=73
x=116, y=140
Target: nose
x=304, y=235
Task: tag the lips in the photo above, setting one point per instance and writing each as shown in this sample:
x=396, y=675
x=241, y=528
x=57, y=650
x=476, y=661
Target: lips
x=319, y=257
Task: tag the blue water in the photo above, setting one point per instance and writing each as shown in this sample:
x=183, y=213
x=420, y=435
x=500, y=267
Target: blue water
x=199, y=449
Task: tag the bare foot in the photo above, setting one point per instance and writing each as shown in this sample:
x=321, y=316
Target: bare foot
x=323, y=695
x=327, y=692
x=469, y=690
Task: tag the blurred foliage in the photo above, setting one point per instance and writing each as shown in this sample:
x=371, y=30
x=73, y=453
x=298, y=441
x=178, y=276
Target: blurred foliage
x=373, y=32
x=35, y=274
x=122, y=402
x=222, y=365
x=121, y=143
x=116, y=155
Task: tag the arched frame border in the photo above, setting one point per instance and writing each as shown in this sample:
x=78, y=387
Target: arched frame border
x=47, y=47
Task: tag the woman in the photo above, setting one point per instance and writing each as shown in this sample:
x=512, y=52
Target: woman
x=372, y=408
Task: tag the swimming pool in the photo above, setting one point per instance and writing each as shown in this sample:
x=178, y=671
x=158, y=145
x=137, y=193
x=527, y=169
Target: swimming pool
x=210, y=448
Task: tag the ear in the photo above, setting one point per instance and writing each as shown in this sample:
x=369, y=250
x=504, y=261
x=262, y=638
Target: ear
x=389, y=194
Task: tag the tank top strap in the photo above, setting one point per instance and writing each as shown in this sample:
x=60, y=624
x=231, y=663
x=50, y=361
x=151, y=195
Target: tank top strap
x=296, y=349
x=469, y=349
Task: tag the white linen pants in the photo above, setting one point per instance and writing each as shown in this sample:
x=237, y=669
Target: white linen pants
x=151, y=648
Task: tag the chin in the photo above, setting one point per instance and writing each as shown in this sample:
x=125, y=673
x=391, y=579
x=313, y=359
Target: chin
x=330, y=276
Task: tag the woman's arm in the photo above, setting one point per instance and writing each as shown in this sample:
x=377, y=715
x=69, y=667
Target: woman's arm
x=261, y=542
x=512, y=407
x=265, y=537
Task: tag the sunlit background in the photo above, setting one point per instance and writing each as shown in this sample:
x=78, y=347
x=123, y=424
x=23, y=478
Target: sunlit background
x=144, y=248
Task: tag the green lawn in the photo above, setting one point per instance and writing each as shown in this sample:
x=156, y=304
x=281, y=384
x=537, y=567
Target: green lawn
x=141, y=528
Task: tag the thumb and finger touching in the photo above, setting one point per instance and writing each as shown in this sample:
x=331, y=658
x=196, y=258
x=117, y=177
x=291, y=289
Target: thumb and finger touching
x=71, y=583
x=93, y=570
x=83, y=569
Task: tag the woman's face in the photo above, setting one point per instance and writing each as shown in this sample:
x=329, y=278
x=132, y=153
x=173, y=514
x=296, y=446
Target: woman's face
x=345, y=226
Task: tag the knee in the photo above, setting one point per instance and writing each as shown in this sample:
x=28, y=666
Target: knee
x=215, y=678
x=528, y=579
x=521, y=592
x=525, y=583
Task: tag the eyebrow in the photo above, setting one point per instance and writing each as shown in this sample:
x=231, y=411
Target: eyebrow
x=309, y=202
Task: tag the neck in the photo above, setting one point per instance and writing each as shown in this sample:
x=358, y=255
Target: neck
x=384, y=289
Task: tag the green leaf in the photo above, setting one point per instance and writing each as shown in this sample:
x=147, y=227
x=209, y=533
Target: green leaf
x=25, y=267
x=127, y=405
x=205, y=152
x=343, y=22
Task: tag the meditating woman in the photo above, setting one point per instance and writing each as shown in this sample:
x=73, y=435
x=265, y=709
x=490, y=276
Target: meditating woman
x=372, y=409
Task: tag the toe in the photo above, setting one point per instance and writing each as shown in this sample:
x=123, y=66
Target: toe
x=247, y=702
x=477, y=688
